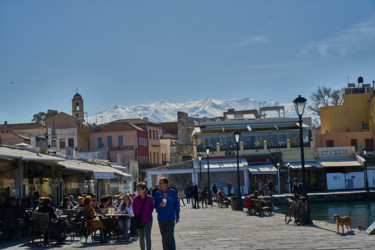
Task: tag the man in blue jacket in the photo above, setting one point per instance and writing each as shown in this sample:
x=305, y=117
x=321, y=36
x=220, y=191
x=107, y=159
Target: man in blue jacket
x=168, y=208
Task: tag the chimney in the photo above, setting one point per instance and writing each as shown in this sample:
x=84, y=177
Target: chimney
x=145, y=119
x=5, y=127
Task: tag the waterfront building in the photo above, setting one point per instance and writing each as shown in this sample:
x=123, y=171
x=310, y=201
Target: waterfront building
x=25, y=173
x=353, y=122
x=266, y=146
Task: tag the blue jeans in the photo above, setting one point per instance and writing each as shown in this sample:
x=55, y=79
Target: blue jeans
x=145, y=233
x=167, y=234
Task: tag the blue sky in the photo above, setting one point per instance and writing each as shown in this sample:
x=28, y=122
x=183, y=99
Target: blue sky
x=138, y=52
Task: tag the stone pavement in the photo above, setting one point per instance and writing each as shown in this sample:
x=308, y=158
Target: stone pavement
x=222, y=228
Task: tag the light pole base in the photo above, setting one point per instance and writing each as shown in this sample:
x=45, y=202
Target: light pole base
x=239, y=202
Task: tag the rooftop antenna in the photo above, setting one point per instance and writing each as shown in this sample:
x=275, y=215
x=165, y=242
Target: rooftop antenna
x=76, y=90
x=347, y=79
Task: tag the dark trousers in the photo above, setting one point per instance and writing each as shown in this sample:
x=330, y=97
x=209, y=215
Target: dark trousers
x=133, y=229
x=167, y=234
x=179, y=201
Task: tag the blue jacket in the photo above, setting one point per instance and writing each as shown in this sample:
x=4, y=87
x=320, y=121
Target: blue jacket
x=172, y=210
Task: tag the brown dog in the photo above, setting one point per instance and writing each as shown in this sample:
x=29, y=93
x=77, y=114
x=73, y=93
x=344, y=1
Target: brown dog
x=343, y=221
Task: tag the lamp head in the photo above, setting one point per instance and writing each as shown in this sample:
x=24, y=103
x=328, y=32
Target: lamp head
x=299, y=104
x=208, y=150
x=237, y=135
x=200, y=157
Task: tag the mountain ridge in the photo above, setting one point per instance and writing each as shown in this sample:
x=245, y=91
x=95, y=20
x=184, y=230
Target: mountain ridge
x=163, y=111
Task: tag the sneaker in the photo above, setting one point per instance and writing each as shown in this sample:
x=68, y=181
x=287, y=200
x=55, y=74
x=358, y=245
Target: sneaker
x=272, y=213
x=275, y=208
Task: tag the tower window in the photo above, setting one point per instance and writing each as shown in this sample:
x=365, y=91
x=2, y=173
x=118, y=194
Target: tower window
x=77, y=115
x=77, y=106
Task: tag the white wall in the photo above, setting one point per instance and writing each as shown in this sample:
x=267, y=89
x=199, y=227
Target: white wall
x=340, y=181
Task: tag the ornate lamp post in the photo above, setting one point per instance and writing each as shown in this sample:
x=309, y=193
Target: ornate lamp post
x=208, y=176
x=200, y=168
x=299, y=104
x=237, y=135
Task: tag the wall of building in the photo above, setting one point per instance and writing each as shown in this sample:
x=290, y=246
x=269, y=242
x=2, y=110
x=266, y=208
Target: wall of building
x=343, y=139
x=126, y=152
x=347, y=117
x=154, y=145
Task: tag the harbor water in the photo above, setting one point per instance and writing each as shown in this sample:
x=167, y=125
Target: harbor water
x=362, y=212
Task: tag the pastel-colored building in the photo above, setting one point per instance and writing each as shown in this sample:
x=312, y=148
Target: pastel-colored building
x=123, y=140
x=350, y=124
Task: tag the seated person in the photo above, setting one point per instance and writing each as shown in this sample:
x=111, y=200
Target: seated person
x=222, y=195
x=65, y=204
x=107, y=222
x=263, y=202
x=95, y=205
x=91, y=215
x=125, y=207
x=104, y=204
x=46, y=208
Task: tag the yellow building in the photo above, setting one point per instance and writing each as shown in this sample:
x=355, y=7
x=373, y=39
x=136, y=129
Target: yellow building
x=350, y=124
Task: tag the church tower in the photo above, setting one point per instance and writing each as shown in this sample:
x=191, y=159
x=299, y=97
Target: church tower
x=77, y=107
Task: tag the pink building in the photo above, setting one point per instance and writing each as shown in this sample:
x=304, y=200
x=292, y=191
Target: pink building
x=123, y=140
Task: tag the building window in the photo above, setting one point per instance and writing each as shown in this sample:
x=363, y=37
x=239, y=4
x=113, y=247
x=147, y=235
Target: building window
x=54, y=143
x=353, y=143
x=157, y=135
x=109, y=141
x=330, y=143
x=155, y=159
x=100, y=142
x=150, y=158
x=150, y=134
x=71, y=143
x=120, y=140
x=153, y=134
x=62, y=143
x=77, y=106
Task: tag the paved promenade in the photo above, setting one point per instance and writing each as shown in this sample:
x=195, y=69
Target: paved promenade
x=222, y=228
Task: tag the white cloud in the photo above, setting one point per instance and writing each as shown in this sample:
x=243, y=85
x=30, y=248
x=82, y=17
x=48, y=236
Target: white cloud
x=358, y=37
x=250, y=40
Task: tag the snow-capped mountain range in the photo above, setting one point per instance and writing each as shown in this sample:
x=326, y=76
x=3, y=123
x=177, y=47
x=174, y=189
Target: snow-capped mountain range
x=208, y=107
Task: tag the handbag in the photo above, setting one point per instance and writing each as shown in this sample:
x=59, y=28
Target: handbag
x=137, y=219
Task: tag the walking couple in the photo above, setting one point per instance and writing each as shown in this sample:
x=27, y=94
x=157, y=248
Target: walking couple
x=168, y=208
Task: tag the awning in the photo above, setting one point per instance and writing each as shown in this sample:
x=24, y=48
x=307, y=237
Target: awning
x=263, y=169
x=12, y=153
x=307, y=165
x=99, y=171
x=337, y=163
x=225, y=163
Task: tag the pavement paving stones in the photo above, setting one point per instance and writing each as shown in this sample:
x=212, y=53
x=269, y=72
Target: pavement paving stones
x=222, y=228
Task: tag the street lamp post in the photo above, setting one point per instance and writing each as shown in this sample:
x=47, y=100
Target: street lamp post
x=208, y=176
x=289, y=181
x=237, y=135
x=200, y=169
x=299, y=104
x=365, y=165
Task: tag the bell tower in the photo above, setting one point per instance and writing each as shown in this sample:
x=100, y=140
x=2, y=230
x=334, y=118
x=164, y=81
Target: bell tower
x=77, y=107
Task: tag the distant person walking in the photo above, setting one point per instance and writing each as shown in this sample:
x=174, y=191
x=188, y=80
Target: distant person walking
x=181, y=196
x=204, y=194
x=195, y=201
x=270, y=188
x=143, y=206
x=260, y=188
x=214, y=191
x=168, y=208
x=187, y=193
x=229, y=186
